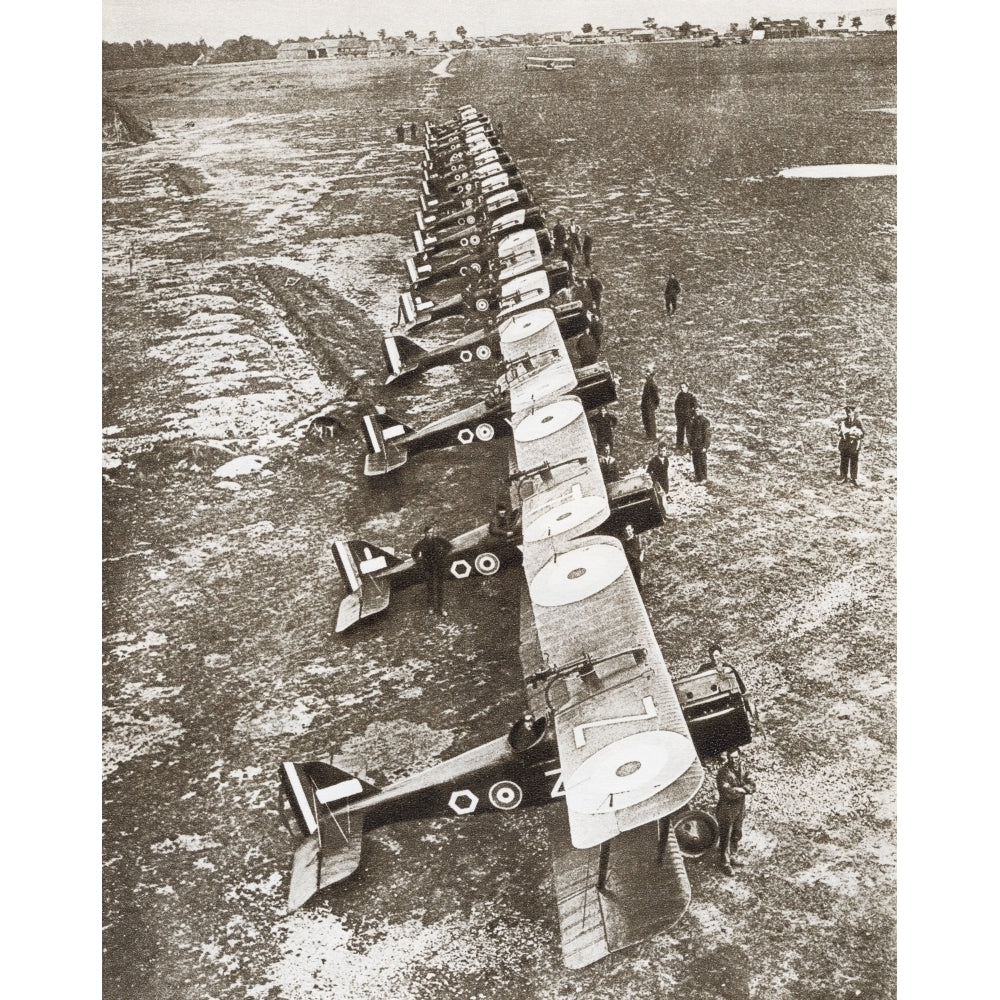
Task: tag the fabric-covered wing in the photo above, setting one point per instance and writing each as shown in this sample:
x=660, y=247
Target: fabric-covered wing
x=538, y=365
x=617, y=895
x=626, y=753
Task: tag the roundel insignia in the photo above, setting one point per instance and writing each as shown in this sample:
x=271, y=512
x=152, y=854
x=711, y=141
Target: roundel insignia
x=460, y=569
x=486, y=432
x=465, y=436
x=506, y=795
x=465, y=356
x=486, y=564
x=463, y=802
x=483, y=352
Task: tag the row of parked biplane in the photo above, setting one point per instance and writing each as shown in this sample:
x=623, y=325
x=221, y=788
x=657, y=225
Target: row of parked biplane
x=609, y=738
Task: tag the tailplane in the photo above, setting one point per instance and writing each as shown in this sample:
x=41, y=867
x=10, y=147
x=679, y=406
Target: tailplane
x=401, y=354
x=361, y=566
x=327, y=804
x=383, y=455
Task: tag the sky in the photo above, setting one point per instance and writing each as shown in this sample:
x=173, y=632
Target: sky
x=273, y=20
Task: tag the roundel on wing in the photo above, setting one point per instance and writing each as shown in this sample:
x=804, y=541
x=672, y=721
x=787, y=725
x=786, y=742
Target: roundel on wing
x=506, y=795
x=463, y=802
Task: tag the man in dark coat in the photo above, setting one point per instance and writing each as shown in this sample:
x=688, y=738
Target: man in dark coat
x=568, y=255
x=596, y=287
x=699, y=435
x=400, y=134
x=558, y=237
x=650, y=401
x=635, y=553
x=431, y=556
x=506, y=523
x=588, y=248
x=608, y=464
x=659, y=469
x=670, y=292
x=850, y=433
x=596, y=328
x=684, y=406
x=586, y=348
x=734, y=784
x=603, y=425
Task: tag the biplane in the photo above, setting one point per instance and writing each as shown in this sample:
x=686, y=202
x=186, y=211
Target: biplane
x=406, y=358
x=605, y=739
x=549, y=63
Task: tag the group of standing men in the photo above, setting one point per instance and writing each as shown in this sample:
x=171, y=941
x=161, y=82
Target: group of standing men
x=692, y=424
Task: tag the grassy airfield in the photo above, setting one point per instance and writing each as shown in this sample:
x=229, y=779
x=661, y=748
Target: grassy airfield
x=252, y=259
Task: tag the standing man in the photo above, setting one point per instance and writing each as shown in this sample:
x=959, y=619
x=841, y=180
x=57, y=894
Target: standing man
x=588, y=248
x=568, y=254
x=735, y=784
x=649, y=404
x=699, y=435
x=851, y=431
x=608, y=464
x=659, y=469
x=574, y=236
x=558, y=237
x=596, y=287
x=400, y=134
x=413, y=131
x=635, y=553
x=586, y=348
x=684, y=407
x=670, y=292
x=603, y=425
x=431, y=555
x=596, y=328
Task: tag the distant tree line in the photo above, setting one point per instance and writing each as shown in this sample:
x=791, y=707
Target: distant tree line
x=145, y=54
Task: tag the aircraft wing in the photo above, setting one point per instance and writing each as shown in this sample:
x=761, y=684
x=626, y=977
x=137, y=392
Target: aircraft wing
x=612, y=897
x=538, y=364
x=626, y=754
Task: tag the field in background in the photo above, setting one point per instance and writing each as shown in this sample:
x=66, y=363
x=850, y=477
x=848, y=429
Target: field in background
x=252, y=257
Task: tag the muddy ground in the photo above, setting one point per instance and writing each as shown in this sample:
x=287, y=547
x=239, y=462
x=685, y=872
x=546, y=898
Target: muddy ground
x=252, y=258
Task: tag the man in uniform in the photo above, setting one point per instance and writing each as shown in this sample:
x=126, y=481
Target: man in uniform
x=587, y=352
x=659, y=469
x=734, y=784
x=558, y=237
x=684, y=406
x=596, y=287
x=608, y=464
x=431, y=555
x=650, y=401
x=850, y=431
x=699, y=435
x=506, y=522
x=588, y=248
x=670, y=292
x=635, y=553
x=603, y=425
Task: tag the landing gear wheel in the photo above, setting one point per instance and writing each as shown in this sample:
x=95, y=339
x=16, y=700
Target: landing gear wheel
x=696, y=831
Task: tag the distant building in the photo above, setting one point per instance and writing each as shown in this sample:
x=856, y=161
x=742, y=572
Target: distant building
x=296, y=50
x=352, y=45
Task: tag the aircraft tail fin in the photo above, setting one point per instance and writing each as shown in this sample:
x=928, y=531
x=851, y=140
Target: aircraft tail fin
x=361, y=567
x=401, y=354
x=383, y=455
x=327, y=804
